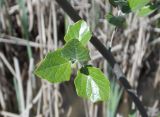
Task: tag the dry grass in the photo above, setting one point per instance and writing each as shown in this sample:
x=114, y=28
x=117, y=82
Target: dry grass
x=31, y=28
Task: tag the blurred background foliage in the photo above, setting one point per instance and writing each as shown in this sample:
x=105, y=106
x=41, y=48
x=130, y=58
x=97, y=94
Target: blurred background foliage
x=31, y=28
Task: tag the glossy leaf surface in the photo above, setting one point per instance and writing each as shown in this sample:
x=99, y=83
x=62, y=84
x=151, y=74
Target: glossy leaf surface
x=54, y=68
x=75, y=51
x=80, y=31
x=92, y=84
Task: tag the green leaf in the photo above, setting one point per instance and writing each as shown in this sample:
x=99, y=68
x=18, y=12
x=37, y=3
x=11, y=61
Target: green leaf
x=54, y=68
x=74, y=50
x=118, y=21
x=114, y=2
x=117, y=2
x=92, y=84
x=122, y=4
x=137, y=4
x=147, y=10
x=125, y=7
x=80, y=31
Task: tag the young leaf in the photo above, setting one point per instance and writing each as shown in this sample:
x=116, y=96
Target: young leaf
x=118, y=21
x=147, y=10
x=137, y=4
x=92, y=84
x=54, y=68
x=80, y=31
x=74, y=50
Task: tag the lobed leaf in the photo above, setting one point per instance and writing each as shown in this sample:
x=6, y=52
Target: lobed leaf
x=92, y=84
x=74, y=50
x=80, y=30
x=54, y=68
